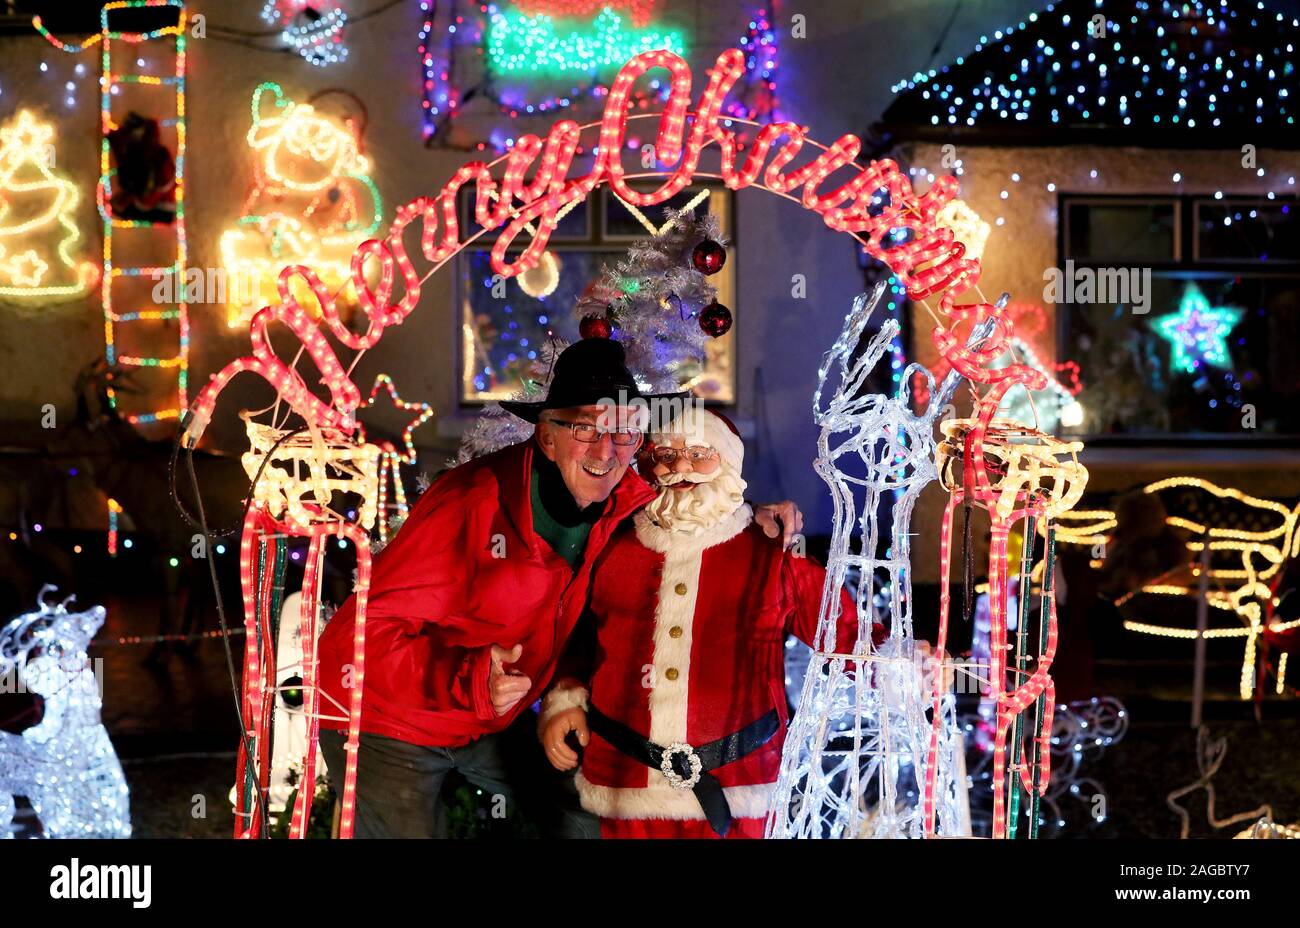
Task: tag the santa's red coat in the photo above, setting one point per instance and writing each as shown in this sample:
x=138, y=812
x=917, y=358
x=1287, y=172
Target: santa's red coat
x=466, y=571
x=690, y=645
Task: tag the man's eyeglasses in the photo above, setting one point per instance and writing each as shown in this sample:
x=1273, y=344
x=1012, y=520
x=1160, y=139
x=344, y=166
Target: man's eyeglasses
x=589, y=434
x=695, y=454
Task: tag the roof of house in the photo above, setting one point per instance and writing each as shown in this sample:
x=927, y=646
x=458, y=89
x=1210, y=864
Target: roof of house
x=1115, y=72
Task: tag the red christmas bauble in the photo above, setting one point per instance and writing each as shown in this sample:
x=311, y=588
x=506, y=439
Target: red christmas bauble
x=709, y=257
x=715, y=320
x=594, y=327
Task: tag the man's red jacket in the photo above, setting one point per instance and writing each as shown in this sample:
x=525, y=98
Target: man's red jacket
x=466, y=571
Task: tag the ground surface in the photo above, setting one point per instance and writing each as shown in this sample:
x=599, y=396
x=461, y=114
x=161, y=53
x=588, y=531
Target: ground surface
x=173, y=725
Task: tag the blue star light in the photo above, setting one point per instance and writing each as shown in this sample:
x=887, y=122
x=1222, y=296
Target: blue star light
x=1198, y=332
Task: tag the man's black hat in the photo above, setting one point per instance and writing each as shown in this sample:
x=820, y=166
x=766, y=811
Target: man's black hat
x=586, y=373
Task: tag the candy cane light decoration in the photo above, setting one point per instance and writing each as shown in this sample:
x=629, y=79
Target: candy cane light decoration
x=1017, y=474
x=874, y=203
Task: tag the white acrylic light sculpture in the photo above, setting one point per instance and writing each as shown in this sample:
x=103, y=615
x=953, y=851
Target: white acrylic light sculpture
x=853, y=765
x=64, y=765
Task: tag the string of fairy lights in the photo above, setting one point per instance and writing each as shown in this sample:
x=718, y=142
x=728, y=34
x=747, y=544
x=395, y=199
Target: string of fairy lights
x=1098, y=73
x=111, y=82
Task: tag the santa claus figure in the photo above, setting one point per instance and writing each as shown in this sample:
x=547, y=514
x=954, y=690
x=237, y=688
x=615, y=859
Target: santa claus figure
x=680, y=706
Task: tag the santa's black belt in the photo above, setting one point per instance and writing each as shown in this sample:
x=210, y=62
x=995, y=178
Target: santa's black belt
x=687, y=767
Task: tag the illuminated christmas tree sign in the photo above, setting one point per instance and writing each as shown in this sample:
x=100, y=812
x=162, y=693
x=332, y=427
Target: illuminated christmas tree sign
x=1198, y=332
x=37, y=232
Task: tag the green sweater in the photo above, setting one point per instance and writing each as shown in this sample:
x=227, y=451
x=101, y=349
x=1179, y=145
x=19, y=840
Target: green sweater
x=556, y=517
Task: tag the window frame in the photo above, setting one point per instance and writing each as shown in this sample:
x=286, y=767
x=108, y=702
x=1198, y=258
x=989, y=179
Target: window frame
x=1188, y=265
x=608, y=246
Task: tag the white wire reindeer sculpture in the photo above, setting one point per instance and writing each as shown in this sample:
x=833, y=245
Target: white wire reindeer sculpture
x=853, y=760
x=64, y=765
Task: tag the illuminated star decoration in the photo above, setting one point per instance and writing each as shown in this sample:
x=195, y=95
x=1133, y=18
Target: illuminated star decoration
x=390, y=457
x=1198, y=332
x=27, y=269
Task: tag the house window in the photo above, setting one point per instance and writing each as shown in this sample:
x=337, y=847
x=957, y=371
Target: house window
x=1213, y=356
x=504, y=323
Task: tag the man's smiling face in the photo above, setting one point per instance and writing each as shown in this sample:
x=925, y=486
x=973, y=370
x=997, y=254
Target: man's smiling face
x=590, y=470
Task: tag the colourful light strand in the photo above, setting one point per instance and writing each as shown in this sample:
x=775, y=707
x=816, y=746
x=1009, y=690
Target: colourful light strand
x=179, y=361
x=114, y=510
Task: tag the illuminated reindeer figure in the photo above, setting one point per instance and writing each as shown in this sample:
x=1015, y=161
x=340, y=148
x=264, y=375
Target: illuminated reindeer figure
x=858, y=742
x=65, y=765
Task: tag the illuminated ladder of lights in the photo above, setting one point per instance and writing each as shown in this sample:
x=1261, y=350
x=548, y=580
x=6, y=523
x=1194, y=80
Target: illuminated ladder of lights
x=114, y=320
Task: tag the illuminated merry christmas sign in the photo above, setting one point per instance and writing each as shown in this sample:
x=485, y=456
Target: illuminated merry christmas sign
x=874, y=203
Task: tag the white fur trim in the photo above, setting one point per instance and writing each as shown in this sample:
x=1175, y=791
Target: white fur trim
x=683, y=555
x=662, y=541
x=668, y=698
x=660, y=800
x=565, y=694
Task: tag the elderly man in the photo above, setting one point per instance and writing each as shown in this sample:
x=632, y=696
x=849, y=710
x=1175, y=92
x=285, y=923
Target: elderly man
x=472, y=602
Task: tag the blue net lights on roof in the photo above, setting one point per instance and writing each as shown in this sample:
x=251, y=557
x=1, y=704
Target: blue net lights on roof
x=1194, y=65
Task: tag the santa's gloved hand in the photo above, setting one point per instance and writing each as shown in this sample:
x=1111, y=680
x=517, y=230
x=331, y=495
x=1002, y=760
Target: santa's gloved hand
x=554, y=735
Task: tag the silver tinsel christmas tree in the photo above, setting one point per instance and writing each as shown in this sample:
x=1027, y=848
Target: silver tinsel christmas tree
x=652, y=300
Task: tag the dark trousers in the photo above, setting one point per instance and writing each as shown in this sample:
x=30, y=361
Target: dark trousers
x=398, y=784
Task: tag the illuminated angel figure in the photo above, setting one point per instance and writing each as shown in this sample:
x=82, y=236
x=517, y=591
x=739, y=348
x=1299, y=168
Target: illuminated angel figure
x=854, y=757
x=65, y=765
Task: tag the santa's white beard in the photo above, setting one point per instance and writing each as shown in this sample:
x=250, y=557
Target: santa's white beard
x=703, y=506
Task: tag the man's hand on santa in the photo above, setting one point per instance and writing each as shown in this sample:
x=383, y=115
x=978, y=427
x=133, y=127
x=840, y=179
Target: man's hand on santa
x=556, y=733
x=783, y=518
x=506, y=687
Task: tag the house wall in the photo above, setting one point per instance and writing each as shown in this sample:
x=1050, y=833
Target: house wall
x=836, y=80
x=1020, y=251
